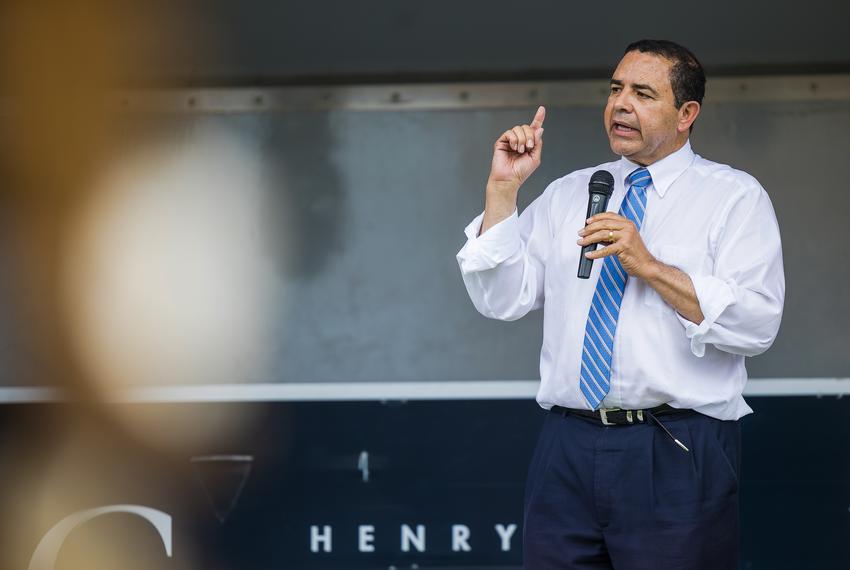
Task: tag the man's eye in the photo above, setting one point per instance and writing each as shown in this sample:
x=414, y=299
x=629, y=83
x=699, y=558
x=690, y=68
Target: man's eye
x=615, y=89
x=643, y=95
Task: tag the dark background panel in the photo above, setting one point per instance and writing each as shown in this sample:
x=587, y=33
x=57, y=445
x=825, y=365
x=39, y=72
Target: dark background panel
x=262, y=41
x=434, y=463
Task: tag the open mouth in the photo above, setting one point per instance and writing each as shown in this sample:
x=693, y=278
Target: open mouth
x=623, y=129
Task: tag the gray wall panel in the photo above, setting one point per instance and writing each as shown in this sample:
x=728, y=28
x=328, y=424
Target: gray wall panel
x=413, y=180
x=379, y=200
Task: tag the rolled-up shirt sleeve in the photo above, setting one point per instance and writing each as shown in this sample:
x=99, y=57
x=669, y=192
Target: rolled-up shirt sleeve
x=504, y=268
x=742, y=300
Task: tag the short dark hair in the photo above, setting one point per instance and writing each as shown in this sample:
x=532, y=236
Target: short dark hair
x=687, y=77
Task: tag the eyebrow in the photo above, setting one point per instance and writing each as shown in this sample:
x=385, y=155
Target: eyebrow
x=643, y=86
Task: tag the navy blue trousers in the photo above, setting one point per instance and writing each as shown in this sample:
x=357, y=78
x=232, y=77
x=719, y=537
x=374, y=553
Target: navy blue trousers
x=629, y=498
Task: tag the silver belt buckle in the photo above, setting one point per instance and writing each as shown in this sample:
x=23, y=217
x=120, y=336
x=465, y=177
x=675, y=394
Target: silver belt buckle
x=603, y=414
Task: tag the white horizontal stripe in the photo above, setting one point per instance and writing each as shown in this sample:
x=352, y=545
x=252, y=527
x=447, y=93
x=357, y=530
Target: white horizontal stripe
x=18, y=395
x=214, y=458
x=797, y=387
x=377, y=391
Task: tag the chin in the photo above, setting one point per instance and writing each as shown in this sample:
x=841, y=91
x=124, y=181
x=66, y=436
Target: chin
x=621, y=148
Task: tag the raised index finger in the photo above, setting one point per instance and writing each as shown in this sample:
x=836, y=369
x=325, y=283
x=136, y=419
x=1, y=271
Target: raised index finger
x=538, y=117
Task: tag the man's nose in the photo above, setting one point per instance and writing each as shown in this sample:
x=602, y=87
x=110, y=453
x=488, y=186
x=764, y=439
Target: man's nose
x=623, y=102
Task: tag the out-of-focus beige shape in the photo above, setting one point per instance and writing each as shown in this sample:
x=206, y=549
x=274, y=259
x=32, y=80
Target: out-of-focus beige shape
x=169, y=279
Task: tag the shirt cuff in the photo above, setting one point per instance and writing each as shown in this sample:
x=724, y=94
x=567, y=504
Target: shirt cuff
x=492, y=247
x=714, y=295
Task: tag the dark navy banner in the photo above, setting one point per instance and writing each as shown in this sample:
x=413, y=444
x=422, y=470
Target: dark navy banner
x=425, y=484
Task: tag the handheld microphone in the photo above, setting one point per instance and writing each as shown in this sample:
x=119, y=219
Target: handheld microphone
x=600, y=188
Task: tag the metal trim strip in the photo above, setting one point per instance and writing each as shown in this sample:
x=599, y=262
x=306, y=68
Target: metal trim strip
x=383, y=391
x=459, y=96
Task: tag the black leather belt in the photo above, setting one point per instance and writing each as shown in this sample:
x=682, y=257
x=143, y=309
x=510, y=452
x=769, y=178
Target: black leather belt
x=618, y=417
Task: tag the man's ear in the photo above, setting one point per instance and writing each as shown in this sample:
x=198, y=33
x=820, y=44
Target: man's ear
x=687, y=115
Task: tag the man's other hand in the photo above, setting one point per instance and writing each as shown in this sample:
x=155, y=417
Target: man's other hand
x=621, y=238
x=516, y=154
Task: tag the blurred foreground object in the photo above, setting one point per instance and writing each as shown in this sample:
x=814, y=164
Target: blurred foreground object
x=130, y=258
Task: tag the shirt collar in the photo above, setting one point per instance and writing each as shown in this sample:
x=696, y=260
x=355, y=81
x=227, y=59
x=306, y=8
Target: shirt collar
x=665, y=171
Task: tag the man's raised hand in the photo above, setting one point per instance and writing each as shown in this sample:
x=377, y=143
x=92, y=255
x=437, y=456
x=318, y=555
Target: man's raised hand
x=517, y=154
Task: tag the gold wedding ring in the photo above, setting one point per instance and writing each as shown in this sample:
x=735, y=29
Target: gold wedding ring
x=611, y=236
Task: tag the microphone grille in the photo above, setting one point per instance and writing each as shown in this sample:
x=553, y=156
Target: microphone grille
x=601, y=181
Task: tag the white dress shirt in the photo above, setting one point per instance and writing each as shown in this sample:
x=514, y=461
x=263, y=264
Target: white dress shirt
x=711, y=221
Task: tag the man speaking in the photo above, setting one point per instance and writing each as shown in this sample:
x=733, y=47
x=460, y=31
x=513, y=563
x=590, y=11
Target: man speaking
x=642, y=365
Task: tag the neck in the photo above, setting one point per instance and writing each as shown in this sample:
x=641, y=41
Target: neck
x=679, y=143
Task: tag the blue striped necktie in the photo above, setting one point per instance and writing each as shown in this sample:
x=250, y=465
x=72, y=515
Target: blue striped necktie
x=601, y=324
